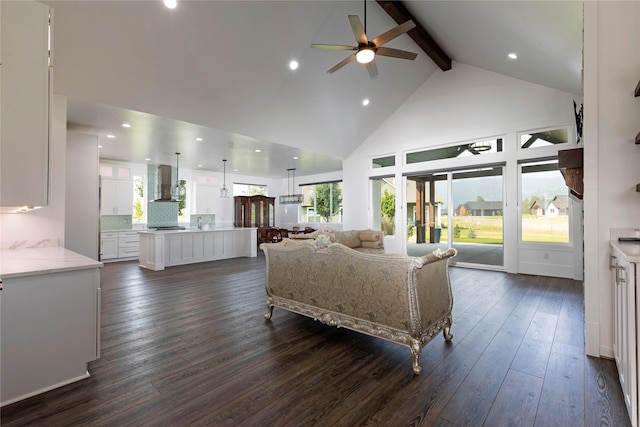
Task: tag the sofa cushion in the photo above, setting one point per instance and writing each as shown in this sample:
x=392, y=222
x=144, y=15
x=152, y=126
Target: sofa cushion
x=371, y=245
x=370, y=235
x=348, y=238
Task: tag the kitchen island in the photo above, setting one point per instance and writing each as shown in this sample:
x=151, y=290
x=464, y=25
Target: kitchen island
x=50, y=319
x=166, y=248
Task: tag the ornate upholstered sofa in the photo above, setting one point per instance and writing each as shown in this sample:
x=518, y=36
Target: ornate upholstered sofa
x=403, y=299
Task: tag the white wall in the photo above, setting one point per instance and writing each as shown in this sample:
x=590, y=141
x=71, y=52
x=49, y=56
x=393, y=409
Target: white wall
x=611, y=159
x=82, y=212
x=49, y=221
x=459, y=105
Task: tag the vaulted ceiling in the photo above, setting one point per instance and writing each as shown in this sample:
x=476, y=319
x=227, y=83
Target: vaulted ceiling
x=218, y=70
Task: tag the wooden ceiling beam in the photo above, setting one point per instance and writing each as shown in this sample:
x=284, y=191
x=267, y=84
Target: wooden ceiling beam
x=398, y=11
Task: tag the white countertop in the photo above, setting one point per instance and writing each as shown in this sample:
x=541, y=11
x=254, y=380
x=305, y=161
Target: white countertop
x=631, y=251
x=195, y=230
x=35, y=261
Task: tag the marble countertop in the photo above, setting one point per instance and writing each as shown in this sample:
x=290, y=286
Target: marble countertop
x=36, y=261
x=631, y=251
x=195, y=230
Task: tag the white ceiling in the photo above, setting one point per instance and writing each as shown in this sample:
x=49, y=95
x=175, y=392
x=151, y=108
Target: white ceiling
x=219, y=70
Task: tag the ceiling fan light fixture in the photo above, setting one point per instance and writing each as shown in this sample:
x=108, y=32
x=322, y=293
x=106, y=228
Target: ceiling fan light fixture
x=365, y=55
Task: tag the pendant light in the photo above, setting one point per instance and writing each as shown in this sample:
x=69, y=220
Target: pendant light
x=224, y=191
x=291, y=198
x=175, y=191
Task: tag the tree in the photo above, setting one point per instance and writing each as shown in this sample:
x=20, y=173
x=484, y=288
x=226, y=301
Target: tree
x=388, y=204
x=328, y=200
x=388, y=210
x=480, y=199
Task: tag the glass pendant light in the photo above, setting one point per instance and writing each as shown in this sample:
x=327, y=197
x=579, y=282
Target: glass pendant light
x=224, y=191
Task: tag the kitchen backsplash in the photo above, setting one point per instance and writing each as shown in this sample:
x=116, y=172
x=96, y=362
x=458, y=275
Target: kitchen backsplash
x=208, y=221
x=162, y=214
x=115, y=222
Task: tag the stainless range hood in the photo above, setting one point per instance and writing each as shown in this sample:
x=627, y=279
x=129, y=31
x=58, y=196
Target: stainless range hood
x=164, y=188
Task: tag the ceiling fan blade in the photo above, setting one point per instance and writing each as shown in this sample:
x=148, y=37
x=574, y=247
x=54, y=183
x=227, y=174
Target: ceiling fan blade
x=358, y=31
x=393, y=33
x=396, y=53
x=372, y=68
x=342, y=63
x=334, y=47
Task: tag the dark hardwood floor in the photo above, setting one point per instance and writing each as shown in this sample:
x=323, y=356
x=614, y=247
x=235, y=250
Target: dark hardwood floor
x=189, y=346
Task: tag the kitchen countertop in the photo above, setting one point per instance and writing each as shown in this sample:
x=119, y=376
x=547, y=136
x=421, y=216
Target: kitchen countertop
x=629, y=249
x=193, y=230
x=35, y=261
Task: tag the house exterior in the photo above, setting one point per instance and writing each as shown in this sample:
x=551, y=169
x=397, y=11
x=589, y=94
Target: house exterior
x=558, y=206
x=480, y=208
x=538, y=207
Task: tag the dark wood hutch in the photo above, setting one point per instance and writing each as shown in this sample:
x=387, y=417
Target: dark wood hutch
x=254, y=211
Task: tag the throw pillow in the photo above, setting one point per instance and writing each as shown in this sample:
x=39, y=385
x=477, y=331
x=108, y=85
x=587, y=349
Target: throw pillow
x=348, y=238
x=369, y=235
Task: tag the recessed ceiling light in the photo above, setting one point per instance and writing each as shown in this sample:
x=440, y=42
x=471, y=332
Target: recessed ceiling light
x=199, y=166
x=235, y=170
x=126, y=125
x=257, y=151
x=293, y=65
x=295, y=157
x=171, y=4
x=199, y=139
x=111, y=136
x=365, y=102
x=99, y=146
x=148, y=159
x=513, y=56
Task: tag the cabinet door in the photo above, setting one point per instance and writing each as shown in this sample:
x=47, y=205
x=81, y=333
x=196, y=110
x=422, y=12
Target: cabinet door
x=116, y=197
x=109, y=248
x=24, y=103
x=107, y=197
x=124, y=197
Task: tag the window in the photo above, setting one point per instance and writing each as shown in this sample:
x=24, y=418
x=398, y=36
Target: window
x=383, y=196
x=383, y=162
x=544, y=138
x=249, y=190
x=183, y=214
x=322, y=202
x=469, y=149
x=139, y=200
x=545, y=203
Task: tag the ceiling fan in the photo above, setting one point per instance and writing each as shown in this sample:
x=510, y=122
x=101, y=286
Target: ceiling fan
x=366, y=50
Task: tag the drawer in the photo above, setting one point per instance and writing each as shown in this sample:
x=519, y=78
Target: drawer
x=128, y=252
x=125, y=243
x=128, y=239
x=105, y=235
x=128, y=234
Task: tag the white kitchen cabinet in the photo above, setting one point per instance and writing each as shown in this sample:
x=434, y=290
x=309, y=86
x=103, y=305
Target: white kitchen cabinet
x=25, y=78
x=50, y=320
x=625, y=338
x=108, y=246
x=116, y=197
x=160, y=249
x=128, y=244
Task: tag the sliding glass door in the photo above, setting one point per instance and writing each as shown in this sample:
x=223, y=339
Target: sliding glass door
x=461, y=209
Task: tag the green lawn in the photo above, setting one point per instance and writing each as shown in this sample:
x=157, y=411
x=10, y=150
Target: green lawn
x=488, y=229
